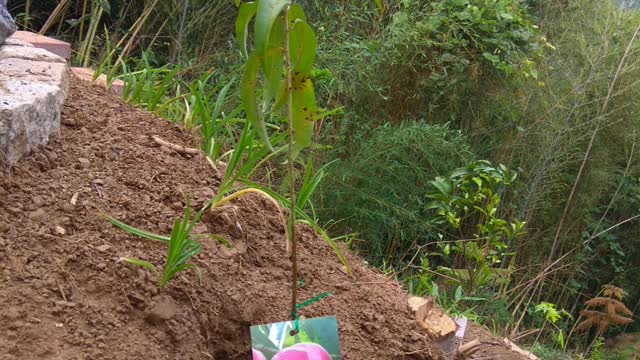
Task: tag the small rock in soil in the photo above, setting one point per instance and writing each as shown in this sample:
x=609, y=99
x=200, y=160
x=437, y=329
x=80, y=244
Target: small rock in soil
x=84, y=162
x=60, y=230
x=52, y=156
x=163, y=309
x=69, y=122
x=37, y=214
x=37, y=200
x=104, y=247
x=64, y=304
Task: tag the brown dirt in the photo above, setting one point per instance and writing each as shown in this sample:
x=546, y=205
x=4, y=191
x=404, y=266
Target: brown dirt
x=64, y=296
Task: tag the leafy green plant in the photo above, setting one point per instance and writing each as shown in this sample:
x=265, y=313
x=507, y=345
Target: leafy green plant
x=466, y=208
x=284, y=44
x=552, y=316
x=181, y=248
x=377, y=189
x=443, y=50
x=149, y=87
x=456, y=303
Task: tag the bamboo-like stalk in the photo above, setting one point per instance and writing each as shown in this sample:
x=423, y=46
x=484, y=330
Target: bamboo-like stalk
x=587, y=152
x=87, y=44
x=53, y=18
x=27, y=14
x=137, y=26
x=84, y=14
x=537, y=284
x=61, y=22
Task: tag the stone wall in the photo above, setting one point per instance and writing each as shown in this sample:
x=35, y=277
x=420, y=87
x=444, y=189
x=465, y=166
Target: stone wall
x=33, y=87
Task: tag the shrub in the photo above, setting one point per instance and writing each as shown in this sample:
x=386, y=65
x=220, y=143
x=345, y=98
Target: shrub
x=379, y=189
x=439, y=50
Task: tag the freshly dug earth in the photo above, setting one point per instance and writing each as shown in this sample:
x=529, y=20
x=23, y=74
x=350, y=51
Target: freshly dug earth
x=65, y=296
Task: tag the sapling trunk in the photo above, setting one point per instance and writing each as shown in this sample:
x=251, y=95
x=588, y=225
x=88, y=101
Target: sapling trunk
x=292, y=181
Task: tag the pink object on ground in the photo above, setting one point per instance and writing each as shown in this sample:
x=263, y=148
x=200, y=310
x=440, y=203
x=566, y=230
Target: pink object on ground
x=303, y=351
x=257, y=355
x=86, y=74
x=57, y=47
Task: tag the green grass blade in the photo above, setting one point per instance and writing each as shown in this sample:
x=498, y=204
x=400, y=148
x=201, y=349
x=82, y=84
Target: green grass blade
x=135, y=231
x=141, y=263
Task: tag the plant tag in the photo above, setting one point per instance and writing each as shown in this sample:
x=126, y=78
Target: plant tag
x=316, y=339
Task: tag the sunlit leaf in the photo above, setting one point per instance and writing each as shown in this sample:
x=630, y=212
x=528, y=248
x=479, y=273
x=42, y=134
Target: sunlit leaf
x=141, y=263
x=380, y=6
x=303, y=44
x=305, y=110
x=246, y=12
x=267, y=13
x=274, y=59
x=296, y=13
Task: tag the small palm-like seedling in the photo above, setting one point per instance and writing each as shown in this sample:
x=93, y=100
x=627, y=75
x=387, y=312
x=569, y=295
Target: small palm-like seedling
x=182, y=248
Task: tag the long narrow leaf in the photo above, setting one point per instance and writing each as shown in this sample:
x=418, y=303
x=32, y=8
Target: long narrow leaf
x=246, y=12
x=267, y=13
x=141, y=263
x=135, y=231
x=250, y=99
x=303, y=45
x=305, y=110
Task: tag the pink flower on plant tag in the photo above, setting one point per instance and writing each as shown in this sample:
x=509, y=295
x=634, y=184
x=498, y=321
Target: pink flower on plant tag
x=303, y=351
x=257, y=355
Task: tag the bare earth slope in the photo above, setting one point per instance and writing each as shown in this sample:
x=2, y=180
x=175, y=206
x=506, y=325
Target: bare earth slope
x=64, y=296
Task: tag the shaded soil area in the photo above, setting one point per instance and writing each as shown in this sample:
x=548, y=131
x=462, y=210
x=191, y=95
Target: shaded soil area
x=65, y=296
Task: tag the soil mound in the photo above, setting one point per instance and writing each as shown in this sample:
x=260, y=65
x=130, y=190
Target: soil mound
x=64, y=296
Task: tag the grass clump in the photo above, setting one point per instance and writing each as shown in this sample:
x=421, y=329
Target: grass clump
x=182, y=247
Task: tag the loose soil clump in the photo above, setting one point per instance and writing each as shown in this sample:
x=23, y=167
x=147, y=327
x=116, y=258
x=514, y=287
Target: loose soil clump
x=65, y=295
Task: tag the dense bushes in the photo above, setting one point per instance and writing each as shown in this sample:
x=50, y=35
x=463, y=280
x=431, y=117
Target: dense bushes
x=379, y=190
x=437, y=52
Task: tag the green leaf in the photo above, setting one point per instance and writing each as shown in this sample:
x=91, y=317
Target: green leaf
x=140, y=263
x=494, y=59
x=221, y=240
x=380, y=6
x=217, y=110
x=135, y=231
x=267, y=13
x=303, y=45
x=250, y=100
x=442, y=184
x=296, y=13
x=274, y=60
x=305, y=110
x=458, y=295
x=246, y=12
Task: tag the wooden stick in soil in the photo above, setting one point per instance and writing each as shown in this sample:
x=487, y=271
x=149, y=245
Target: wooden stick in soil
x=469, y=348
x=177, y=148
x=292, y=181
